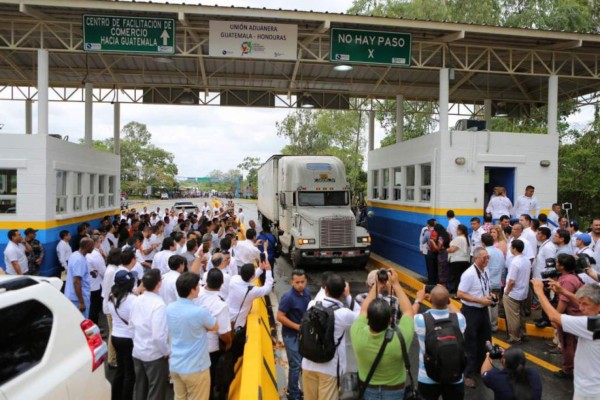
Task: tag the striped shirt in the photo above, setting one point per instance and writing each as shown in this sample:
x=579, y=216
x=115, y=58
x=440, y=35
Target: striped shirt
x=420, y=332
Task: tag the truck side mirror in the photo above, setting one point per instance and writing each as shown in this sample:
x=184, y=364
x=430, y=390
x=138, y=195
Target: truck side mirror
x=282, y=200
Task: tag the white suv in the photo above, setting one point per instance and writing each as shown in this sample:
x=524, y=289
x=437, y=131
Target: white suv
x=47, y=349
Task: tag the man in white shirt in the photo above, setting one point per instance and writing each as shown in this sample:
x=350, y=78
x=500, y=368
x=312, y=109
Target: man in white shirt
x=319, y=380
x=476, y=234
x=242, y=293
x=14, y=254
x=528, y=233
x=63, y=249
x=587, y=356
x=475, y=294
x=220, y=261
x=453, y=223
x=241, y=216
x=246, y=251
x=546, y=250
x=574, y=231
x=554, y=216
x=528, y=251
x=110, y=241
x=168, y=289
x=161, y=259
x=527, y=204
x=211, y=299
x=516, y=291
x=561, y=240
x=595, y=234
x=97, y=267
x=148, y=324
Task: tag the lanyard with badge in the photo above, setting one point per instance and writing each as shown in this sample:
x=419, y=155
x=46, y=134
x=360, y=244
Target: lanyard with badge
x=485, y=282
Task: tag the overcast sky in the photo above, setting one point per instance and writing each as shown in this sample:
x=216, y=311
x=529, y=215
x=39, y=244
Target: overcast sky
x=202, y=138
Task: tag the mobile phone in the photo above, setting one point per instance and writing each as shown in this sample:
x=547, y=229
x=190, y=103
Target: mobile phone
x=429, y=288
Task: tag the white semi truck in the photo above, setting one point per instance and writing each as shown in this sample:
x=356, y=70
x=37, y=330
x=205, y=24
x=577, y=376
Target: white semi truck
x=307, y=198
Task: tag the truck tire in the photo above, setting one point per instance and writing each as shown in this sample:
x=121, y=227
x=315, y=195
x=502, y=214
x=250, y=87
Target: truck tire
x=291, y=256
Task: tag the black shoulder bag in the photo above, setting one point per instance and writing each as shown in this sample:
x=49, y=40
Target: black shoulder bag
x=239, y=333
x=389, y=335
x=410, y=390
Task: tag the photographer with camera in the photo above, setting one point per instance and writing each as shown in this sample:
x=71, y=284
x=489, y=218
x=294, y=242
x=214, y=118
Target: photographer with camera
x=516, y=291
x=587, y=355
x=380, y=279
x=514, y=381
x=568, y=279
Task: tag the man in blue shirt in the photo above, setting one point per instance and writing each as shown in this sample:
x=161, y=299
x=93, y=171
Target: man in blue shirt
x=441, y=307
x=77, y=286
x=292, y=307
x=188, y=323
x=495, y=271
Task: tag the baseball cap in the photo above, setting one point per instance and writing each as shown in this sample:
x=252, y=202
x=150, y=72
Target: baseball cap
x=585, y=238
x=123, y=278
x=207, y=238
x=30, y=230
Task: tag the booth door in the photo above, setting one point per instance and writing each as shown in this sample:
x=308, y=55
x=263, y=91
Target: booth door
x=499, y=176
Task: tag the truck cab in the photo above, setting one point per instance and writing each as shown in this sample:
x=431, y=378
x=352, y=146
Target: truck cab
x=308, y=199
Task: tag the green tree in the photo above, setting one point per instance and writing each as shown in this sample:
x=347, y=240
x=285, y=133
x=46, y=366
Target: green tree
x=142, y=163
x=325, y=132
x=250, y=165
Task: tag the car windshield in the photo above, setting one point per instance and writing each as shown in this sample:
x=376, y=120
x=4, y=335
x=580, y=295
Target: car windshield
x=337, y=198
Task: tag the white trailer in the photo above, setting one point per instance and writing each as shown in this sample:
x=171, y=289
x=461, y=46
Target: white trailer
x=308, y=199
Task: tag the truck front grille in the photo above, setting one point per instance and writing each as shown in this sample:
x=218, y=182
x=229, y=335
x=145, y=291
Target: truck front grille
x=337, y=231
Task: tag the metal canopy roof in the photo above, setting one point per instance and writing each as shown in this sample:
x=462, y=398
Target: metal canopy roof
x=505, y=64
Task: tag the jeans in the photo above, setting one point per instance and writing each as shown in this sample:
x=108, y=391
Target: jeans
x=295, y=366
x=378, y=394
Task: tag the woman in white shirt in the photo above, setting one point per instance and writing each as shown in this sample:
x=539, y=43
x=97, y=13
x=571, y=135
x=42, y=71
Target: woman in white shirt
x=499, y=204
x=458, y=256
x=97, y=267
x=119, y=305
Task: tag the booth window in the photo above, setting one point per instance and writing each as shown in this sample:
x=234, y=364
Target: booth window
x=410, y=183
x=386, y=183
x=426, y=182
x=102, y=191
x=8, y=191
x=91, y=196
x=375, y=184
x=77, y=190
x=398, y=183
x=111, y=191
x=61, y=192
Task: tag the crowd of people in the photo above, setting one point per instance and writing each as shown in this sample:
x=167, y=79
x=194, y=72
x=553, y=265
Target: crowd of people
x=517, y=261
x=175, y=286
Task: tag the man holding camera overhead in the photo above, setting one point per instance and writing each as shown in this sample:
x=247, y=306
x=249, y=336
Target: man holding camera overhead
x=516, y=291
x=585, y=327
x=475, y=294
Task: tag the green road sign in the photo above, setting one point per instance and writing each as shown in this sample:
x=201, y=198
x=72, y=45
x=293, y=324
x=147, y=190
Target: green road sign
x=370, y=47
x=204, y=179
x=102, y=33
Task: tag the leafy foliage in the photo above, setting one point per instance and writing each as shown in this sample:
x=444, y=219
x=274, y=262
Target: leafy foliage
x=325, y=132
x=142, y=163
x=250, y=165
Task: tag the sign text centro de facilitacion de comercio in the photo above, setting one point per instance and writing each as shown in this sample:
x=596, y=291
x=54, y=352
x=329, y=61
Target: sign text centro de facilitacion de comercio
x=259, y=40
x=370, y=47
x=103, y=33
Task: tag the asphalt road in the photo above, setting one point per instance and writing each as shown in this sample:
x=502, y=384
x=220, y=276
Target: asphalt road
x=553, y=388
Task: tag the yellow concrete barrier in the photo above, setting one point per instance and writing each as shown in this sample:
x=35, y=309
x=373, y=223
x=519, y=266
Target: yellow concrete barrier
x=255, y=376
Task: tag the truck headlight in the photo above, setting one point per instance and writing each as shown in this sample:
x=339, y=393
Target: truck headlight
x=306, y=241
x=364, y=239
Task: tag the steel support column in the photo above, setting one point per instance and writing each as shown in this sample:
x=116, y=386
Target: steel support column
x=553, y=105
x=89, y=113
x=487, y=109
x=117, y=128
x=399, y=118
x=42, y=76
x=444, y=101
x=28, y=116
x=371, y=130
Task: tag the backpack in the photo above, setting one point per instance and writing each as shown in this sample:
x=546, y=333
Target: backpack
x=444, y=357
x=315, y=339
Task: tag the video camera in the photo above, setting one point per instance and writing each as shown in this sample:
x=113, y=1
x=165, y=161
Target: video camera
x=550, y=272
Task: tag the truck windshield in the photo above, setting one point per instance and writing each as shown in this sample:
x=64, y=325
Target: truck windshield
x=338, y=198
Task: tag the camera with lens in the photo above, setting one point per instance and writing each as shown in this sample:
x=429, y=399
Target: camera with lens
x=494, y=299
x=382, y=275
x=550, y=272
x=494, y=350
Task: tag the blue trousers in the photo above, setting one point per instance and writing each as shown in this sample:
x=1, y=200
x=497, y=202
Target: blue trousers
x=294, y=365
x=86, y=313
x=378, y=394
